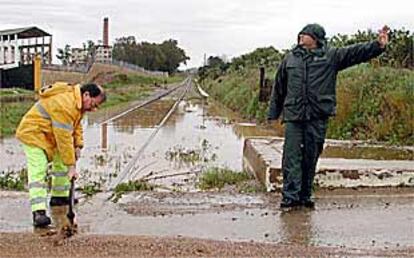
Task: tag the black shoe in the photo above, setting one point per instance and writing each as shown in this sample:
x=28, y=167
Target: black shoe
x=289, y=204
x=308, y=204
x=61, y=201
x=40, y=219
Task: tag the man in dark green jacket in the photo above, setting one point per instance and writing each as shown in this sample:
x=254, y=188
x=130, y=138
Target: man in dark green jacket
x=304, y=93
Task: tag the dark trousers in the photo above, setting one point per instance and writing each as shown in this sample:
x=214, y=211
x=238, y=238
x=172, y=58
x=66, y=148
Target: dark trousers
x=303, y=145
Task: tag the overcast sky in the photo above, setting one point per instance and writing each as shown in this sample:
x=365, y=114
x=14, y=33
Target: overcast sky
x=214, y=27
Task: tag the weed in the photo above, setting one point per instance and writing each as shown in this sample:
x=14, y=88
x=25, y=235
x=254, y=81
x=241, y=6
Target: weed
x=217, y=178
x=13, y=180
x=251, y=186
x=181, y=154
x=91, y=189
x=131, y=186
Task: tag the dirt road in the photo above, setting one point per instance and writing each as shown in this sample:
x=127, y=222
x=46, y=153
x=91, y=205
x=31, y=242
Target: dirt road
x=29, y=245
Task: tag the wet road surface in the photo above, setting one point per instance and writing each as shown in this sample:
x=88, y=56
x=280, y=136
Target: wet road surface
x=368, y=220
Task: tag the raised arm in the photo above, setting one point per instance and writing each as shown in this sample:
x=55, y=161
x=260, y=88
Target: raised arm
x=359, y=53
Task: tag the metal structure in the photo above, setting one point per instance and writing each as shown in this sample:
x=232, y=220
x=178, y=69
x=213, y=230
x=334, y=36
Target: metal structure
x=20, y=46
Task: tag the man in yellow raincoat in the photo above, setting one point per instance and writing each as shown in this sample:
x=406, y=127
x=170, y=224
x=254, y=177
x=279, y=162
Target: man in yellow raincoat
x=51, y=131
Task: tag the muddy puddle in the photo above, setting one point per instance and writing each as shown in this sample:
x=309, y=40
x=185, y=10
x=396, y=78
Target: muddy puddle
x=345, y=221
x=376, y=221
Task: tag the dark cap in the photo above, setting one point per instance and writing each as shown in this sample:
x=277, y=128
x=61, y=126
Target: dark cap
x=316, y=31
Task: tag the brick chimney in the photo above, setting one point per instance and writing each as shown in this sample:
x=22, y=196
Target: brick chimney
x=105, y=32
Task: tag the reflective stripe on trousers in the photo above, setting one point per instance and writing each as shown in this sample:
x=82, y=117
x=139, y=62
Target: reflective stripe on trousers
x=36, y=173
x=60, y=180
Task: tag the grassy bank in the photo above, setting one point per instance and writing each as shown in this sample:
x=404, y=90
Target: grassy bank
x=239, y=91
x=375, y=103
x=11, y=114
x=125, y=88
x=372, y=103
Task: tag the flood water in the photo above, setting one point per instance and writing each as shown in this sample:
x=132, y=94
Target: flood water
x=194, y=139
x=199, y=136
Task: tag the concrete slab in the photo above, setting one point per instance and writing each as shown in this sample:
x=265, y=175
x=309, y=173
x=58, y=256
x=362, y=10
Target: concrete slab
x=263, y=158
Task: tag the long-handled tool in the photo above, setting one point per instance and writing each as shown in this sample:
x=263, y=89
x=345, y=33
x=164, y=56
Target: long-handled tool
x=71, y=229
x=71, y=214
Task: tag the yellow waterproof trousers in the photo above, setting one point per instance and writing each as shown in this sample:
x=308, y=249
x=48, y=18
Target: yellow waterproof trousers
x=37, y=172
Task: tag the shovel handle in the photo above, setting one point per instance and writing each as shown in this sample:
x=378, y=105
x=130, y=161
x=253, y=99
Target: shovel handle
x=71, y=214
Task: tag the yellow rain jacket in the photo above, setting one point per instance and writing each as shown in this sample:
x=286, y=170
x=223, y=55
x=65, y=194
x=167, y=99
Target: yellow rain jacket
x=54, y=122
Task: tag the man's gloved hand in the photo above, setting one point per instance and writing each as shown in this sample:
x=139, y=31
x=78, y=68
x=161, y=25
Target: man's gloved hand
x=77, y=153
x=383, y=36
x=72, y=173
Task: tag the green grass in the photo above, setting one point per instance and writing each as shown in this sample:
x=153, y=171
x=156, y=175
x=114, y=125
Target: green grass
x=14, y=91
x=375, y=104
x=125, y=80
x=130, y=186
x=13, y=181
x=91, y=189
x=125, y=88
x=217, y=178
x=372, y=103
x=10, y=116
x=239, y=92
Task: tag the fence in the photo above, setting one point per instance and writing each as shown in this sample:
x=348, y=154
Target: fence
x=138, y=68
x=86, y=67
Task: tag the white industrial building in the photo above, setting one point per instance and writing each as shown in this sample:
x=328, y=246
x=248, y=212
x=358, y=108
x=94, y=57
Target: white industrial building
x=20, y=46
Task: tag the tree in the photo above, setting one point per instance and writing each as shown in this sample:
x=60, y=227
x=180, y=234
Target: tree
x=64, y=55
x=90, y=47
x=166, y=56
x=174, y=56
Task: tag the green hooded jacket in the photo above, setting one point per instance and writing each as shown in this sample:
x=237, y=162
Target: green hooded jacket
x=305, y=83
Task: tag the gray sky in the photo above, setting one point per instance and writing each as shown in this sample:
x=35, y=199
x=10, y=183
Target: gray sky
x=214, y=27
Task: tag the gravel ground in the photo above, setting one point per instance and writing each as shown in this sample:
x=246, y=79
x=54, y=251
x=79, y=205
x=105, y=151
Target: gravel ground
x=30, y=245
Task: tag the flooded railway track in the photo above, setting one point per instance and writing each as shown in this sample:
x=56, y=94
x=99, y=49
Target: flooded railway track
x=130, y=172
x=145, y=103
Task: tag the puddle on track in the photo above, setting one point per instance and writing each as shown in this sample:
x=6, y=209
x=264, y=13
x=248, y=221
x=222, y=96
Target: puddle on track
x=191, y=129
x=210, y=131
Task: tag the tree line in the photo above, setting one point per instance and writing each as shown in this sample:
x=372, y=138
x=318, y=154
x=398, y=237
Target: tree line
x=166, y=56
x=399, y=54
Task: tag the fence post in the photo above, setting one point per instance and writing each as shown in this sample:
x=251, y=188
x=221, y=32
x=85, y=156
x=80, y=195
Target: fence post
x=262, y=88
x=412, y=51
x=37, y=73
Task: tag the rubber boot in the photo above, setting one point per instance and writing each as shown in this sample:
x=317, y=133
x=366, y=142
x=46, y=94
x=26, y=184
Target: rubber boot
x=40, y=219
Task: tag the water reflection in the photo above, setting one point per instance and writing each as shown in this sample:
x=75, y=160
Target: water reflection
x=146, y=117
x=187, y=131
x=296, y=227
